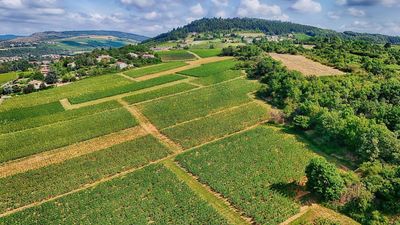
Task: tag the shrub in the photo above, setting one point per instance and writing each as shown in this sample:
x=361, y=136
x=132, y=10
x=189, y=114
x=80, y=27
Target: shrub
x=324, y=179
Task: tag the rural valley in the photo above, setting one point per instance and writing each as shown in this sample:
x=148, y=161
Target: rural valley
x=219, y=121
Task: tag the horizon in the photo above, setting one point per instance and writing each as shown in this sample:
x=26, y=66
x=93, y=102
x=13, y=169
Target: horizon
x=150, y=18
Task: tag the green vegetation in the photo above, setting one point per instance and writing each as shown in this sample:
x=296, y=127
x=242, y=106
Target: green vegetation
x=136, y=98
x=205, y=53
x=83, y=87
x=154, y=69
x=30, y=112
x=27, y=142
x=323, y=179
x=218, y=78
x=175, y=55
x=263, y=190
x=212, y=127
x=135, y=86
x=150, y=195
x=210, y=69
x=5, y=77
x=36, y=185
x=41, y=119
x=186, y=106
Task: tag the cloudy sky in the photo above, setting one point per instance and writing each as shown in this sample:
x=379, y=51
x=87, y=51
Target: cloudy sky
x=151, y=17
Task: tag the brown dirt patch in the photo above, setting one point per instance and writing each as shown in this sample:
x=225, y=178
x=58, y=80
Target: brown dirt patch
x=304, y=65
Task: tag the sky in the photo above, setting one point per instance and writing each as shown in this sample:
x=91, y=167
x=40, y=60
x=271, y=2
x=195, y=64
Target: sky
x=152, y=17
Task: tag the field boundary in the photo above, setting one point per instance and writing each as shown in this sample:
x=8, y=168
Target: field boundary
x=150, y=128
x=126, y=76
x=69, y=152
x=197, y=56
x=303, y=210
x=219, y=203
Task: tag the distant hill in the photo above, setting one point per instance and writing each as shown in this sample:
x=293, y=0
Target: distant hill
x=266, y=26
x=8, y=37
x=54, y=35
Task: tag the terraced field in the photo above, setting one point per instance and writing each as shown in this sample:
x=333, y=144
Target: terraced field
x=175, y=149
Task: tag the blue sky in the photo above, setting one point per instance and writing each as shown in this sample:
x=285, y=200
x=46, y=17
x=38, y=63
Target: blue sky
x=152, y=17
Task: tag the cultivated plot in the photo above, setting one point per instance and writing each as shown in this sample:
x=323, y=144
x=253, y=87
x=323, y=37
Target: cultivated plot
x=205, y=53
x=176, y=55
x=154, y=69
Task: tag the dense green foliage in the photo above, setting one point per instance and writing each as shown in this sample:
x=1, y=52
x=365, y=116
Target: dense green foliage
x=254, y=170
x=141, y=97
x=134, y=86
x=214, y=126
x=154, y=69
x=210, y=69
x=324, y=179
x=153, y=194
x=187, y=106
x=31, y=141
x=41, y=119
x=30, y=112
x=36, y=185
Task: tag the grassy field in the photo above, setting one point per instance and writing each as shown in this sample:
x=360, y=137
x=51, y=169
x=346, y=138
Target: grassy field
x=36, y=185
x=218, y=77
x=209, y=128
x=136, y=98
x=321, y=215
x=205, y=53
x=27, y=142
x=154, y=69
x=153, y=194
x=38, y=115
x=135, y=86
x=263, y=191
x=5, y=77
x=79, y=88
x=175, y=55
x=210, y=69
x=176, y=109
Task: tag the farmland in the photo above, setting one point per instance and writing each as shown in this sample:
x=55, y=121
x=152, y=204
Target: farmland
x=304, y=65
x=5, y=77
x=175, y=55
x=210, y=69
x=205, y=53
x=154, y=69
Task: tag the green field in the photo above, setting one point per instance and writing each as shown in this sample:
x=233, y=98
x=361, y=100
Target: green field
x=153, y=194
x=183, y=107
x=134, y=86
x=136, y=98
x=38, y=115
x=154, y=69
x=210, y=69
x=218, y=77
x=36, y=185
x=5, y=77
x=205, y=53
x=254, y=170
x=31, y=141
x=209, y=128
x=175, y=55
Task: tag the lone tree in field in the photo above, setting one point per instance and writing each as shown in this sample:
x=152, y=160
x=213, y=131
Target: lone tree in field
x=324, y=179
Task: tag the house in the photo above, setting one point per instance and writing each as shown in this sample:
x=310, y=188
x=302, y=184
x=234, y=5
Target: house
x=121, y=65
x=72, y=65
x=148, y=56
x=133, y=55
x=105, y=58
x=37, y=84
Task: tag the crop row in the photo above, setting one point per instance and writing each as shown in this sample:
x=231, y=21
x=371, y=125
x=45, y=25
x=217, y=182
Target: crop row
x=151, y=195
x=209, y=128
x=186, y=106
x=254, y=170
x=31, y=141
x=154, y=69
x=36, y=185
x=135, y=86
x=210, y=69
x=218, y=78
x=175, y=55
x=40, y=115
x=205, y=53
x=136, y=98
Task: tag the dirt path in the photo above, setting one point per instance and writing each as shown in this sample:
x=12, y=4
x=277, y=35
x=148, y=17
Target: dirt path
x=72, y=151
x=192, y=64
x=126, y=77
x=197, y=56
x=303, y=210
x=220, y=204
x=150, y=128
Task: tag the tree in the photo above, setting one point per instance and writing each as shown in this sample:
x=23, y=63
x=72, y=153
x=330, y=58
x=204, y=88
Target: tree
x=388, y=45
x=324, y=179
x=51, y=78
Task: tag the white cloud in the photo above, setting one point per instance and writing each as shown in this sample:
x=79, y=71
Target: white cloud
x=334, y=15
x=197, y=10
x=138, y=3
x=356, y=12
x=253, y=8
x=307, y=6
x=220, y=2
x=151, y=15
x=221, y=14
x=11, y=4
